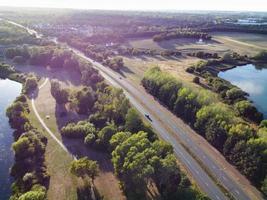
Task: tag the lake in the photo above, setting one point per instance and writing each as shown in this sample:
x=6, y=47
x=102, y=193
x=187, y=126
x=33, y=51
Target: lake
x=9, y=91
x=251, y=79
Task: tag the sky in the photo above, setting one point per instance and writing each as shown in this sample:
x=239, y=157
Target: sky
x=227, y=5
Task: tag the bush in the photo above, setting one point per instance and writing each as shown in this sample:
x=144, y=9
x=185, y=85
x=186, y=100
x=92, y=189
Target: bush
x=31, y=84
x=90, y=139
x=79, y=130
x=246, y=109
x=196, y=80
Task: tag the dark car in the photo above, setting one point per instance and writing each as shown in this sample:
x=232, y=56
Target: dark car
x=148, y=117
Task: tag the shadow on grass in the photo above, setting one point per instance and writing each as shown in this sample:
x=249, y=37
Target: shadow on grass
x=84, y=193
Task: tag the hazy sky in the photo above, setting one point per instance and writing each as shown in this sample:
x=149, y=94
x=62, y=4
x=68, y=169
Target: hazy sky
x=247, y=5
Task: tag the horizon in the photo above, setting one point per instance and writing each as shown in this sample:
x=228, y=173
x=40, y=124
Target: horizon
x=139, y=5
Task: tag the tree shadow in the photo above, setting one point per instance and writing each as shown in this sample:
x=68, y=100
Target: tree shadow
x=84, y=193
x=77, y=148
x=124, y=70
x=64, y=115
x=68, y=76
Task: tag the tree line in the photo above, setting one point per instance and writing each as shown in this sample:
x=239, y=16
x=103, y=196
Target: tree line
x=56, y=58
x=183, y=33
x=31, y=178
x=242, y=145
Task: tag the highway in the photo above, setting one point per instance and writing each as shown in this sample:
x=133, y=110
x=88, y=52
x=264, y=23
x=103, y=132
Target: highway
x=170, y=129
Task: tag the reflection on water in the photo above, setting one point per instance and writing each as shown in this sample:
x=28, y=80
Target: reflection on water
x=253, y=80
x=9, y=91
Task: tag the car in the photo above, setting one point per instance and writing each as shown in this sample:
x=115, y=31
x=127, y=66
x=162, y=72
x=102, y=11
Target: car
x=148, y=117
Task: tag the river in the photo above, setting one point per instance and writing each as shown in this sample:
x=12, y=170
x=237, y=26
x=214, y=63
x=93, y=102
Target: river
x=251, y=79
x=9, y=91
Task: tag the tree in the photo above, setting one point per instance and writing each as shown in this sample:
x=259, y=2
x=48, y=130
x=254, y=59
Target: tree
x=118, y=138
x=84, y=167
x=30, y=84
x=246, y=109
x=235, y=94
x=133, y=121
x=85, y=100
x=61, y=95
x=33, y=195
x=136, y=160
x=106, y=133
x=79, y=130
x=263, y=124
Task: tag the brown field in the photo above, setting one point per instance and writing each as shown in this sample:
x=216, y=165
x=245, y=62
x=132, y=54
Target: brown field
x=243, y=43
x=135, y=67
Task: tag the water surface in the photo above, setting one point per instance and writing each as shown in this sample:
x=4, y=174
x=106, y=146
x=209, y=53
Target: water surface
x=251, y=79
x=9, y=90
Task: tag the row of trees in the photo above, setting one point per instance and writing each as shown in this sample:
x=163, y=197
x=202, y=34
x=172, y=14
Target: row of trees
x=29, y=169
x=183, y=33
x=239, y=142
x=203, y=55
x=56, y=58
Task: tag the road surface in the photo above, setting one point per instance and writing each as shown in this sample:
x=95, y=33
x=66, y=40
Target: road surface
x=166, y=126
